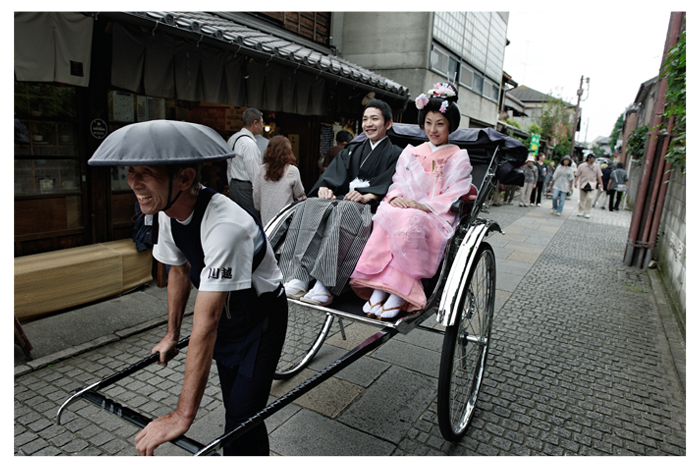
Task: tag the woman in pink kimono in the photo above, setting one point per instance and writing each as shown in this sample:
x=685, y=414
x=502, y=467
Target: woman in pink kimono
x=413, y=223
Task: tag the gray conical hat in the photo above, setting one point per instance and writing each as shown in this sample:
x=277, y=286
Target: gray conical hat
x=159, y=142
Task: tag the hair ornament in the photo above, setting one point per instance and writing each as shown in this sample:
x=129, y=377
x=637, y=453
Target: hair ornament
x=440, y=91
x=421, y=101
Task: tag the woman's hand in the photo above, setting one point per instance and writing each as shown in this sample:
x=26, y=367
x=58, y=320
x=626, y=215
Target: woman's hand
x=400, y=202
x=326, y=193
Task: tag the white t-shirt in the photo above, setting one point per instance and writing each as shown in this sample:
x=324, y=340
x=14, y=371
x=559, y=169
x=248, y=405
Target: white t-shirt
x=229, y=237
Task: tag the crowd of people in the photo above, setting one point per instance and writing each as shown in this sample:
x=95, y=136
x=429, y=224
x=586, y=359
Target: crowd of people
x=596, y=182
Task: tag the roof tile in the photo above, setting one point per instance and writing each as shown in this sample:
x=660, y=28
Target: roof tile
x=227, y=30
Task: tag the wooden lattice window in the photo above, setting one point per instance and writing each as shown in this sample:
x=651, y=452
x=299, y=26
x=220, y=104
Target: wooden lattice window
x=312, y=25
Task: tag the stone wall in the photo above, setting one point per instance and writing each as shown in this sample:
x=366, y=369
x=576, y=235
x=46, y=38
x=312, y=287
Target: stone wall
x=670, y=250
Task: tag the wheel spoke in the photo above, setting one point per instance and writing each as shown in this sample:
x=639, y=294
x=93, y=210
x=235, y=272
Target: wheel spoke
x=469, y=341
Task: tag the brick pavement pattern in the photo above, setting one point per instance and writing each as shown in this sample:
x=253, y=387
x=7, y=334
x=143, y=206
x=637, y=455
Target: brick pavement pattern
x=579, y=365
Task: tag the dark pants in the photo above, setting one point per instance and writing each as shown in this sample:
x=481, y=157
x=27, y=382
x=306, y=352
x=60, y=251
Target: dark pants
x=510, y=193
x=241, y=191
x=617, y=196
x=244, y=392
x=536, y=196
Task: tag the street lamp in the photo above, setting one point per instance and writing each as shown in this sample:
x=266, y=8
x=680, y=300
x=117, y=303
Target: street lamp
x=579, y=93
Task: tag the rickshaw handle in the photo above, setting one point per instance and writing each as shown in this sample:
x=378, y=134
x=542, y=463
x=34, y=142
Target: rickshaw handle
x=117, y=376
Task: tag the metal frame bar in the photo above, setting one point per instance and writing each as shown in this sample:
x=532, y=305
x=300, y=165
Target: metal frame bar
x=367, y=346
x=139, y=420
x=117, y=376
x=90, y=394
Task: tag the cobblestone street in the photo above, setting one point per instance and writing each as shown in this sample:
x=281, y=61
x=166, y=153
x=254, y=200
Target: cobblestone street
x=579, y=365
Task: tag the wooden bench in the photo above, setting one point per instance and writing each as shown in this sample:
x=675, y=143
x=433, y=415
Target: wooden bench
x=54, y=281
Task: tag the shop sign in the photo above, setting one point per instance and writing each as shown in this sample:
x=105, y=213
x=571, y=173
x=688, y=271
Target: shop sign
x=98, y=129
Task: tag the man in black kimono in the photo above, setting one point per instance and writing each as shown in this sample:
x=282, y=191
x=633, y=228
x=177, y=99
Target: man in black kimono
x=329, y=230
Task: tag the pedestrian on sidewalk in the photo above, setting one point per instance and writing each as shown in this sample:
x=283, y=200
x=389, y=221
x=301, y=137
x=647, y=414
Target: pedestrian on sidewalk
x=242, y=170
x=496, y=200
x=548, y=177
x=536, y=195
x=562, y=183
x=219, y=246
x=617, y=186
x=531, y=175
x=587, y=175
x=509, y=194
x=278, y=183
x=606, y=170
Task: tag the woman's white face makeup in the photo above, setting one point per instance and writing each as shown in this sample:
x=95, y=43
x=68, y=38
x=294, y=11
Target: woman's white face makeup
x=437, y=128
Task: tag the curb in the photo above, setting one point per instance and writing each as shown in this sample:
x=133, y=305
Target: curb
x=45, y=361
x=675, y=340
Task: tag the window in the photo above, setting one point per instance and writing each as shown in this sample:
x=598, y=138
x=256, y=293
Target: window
x=466, y=77
x=478, y=86
x=491, y=90
x=444, y=63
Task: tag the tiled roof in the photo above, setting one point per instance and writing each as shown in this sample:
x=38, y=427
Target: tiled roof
x=525, y=94
x=232, y=32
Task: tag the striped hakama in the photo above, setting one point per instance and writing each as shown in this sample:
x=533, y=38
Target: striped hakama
x=324, y=242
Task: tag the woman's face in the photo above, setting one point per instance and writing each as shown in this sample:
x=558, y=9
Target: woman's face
x=566, y=162
x=436, y=128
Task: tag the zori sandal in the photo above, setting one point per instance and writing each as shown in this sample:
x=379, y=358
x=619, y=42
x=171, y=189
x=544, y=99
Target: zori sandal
x=372, y=310
x=317, y=298
x=390, y=314
x=295, y=288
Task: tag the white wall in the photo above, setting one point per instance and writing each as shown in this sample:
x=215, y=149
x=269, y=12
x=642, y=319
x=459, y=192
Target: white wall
x=670, y=248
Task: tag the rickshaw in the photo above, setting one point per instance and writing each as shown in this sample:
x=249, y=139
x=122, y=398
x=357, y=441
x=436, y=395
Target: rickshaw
x=461, y=295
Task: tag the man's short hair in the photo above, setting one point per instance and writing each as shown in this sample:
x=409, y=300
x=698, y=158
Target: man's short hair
x=343, y=136
x=174, y=169
x=250, y=115
x=383, y=108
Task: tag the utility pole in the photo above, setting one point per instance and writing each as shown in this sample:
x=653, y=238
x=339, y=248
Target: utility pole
x=579, y=93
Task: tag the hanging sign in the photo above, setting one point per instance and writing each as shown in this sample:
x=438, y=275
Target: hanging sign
x=534, y=144
x=98, y=129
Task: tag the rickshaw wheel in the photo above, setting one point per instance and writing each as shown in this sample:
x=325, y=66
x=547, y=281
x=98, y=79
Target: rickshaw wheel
x=465, y=347
x=306, y=332
x=307, y=328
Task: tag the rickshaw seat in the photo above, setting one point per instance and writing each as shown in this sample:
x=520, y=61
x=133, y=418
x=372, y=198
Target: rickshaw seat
x=466, y=199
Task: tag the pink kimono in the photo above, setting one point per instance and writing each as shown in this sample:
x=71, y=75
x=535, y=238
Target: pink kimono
x=408, y=244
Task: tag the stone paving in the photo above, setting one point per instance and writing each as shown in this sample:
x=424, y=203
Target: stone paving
x=579, y=365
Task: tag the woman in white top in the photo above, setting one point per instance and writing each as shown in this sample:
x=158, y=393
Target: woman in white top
x=278, y=183
x=562, y=182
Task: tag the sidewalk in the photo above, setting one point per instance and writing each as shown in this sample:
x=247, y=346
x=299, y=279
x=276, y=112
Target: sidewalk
x=580, y=365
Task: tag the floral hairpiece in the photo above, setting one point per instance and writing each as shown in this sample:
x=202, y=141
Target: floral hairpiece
x=440, y=90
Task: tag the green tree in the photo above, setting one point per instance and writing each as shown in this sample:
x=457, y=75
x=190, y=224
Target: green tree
x=534, y=129
x=562, y=148
x=637, y=141
x=554, y=121
x=675, y=103
x=513, y=123
x=616, y=132
x=598, y=150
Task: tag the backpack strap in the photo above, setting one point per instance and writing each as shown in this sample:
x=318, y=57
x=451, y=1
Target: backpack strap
x=239, y=137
